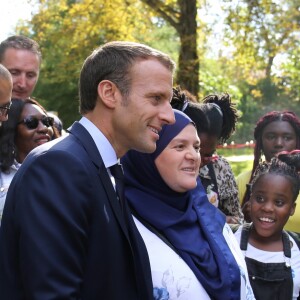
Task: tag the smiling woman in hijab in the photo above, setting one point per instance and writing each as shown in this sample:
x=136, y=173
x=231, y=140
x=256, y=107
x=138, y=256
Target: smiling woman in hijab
x=192, y=251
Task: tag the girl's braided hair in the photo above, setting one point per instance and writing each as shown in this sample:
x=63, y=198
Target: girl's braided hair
x=265, y=120
x=286, y=164
x=215, y=114
x=229, y=112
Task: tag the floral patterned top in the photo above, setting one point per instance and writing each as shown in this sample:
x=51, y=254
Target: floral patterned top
x=221, y=187
x=174, y=280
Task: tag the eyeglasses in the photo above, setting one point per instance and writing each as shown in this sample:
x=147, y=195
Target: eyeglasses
x=33, y=122
x=4, y=109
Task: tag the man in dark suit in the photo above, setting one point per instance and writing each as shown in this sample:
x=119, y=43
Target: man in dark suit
x=64, y=234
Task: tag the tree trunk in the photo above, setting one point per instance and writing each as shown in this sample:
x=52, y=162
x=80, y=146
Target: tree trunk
x=183, y=17
x=269, y=67
x=188, y=63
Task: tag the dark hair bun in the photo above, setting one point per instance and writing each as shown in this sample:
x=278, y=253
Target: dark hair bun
x=291, y=158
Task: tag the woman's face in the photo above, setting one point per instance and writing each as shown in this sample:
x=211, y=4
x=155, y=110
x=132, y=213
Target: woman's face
x=178, y=164
x=276, y=137
x=27, y=137
x=208, y=147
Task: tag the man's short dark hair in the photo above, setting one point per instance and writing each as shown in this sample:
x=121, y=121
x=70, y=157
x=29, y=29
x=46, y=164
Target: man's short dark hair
x=20, y=42
x=113, y=61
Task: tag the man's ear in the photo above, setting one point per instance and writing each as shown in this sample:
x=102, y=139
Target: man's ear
x=107, y=92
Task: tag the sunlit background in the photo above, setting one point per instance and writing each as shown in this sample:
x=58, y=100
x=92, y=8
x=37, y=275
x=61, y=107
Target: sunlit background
x=12, y=11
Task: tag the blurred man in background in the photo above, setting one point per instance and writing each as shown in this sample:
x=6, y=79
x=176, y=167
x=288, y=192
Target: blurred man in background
x=22, y=57
x=5, y=93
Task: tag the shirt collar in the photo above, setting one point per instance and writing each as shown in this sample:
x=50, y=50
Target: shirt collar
x=104, y=147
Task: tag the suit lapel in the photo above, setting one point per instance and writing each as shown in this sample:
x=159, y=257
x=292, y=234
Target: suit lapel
x=89, y=145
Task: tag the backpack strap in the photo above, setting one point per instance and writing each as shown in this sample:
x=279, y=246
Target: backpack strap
x=245, y=236
x=295, y=236
x=286, y=244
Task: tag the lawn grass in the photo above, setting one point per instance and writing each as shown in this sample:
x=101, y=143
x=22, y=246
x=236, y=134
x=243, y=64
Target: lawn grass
x=235, y=152
x=241, y=166
x=240, y=159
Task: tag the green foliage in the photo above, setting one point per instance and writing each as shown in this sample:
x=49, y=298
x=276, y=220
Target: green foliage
x=163, y=36
x=67, y=32
x=212, y=80
x=260, y=33
x=257, y=61
x=61, y=98
x=182, y=16
x=289, y=79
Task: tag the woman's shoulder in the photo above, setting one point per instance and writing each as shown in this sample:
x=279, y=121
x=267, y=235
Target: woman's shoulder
x=222, y=161
x=221, y=165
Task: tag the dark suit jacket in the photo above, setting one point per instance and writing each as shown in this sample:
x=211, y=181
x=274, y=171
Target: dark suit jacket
x=63, y=234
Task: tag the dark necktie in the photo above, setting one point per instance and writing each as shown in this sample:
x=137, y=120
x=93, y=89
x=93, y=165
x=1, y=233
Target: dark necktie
x=117, y=171
x=138, y=247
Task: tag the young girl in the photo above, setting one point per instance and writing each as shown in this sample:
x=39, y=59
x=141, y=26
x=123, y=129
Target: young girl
x=274, y=132
x=272, y=255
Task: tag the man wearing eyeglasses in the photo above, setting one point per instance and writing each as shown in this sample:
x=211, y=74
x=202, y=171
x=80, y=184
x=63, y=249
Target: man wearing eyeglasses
x=5, y=93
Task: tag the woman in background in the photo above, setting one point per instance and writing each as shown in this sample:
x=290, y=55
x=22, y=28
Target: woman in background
x=215, y=118
x=27, y=127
